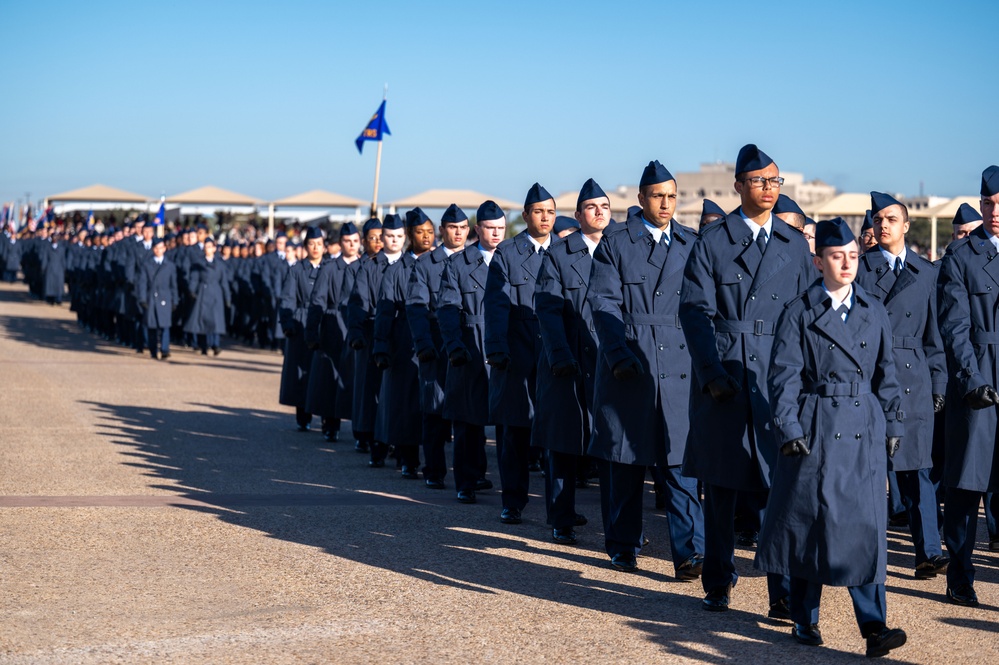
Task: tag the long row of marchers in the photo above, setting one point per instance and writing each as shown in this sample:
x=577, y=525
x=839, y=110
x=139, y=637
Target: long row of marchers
x=571, y=339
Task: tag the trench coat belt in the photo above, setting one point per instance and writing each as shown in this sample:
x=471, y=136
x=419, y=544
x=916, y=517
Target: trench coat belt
x=984, y=337
x=757, y=327
x=906, y=342
x=837, y=389
x=472, y=320
x=633, y=319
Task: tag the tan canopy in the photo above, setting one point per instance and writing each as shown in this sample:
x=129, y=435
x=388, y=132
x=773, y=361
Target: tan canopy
x=101, y=193
x=318, y=198
x=466, y=199
x=947, y=210
x=842, y=205
x=213, y=196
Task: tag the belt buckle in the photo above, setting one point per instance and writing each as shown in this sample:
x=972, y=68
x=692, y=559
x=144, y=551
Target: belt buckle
x=854, y=389
x=758, y=327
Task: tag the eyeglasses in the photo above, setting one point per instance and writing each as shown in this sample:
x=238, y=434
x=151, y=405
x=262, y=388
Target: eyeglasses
x=758, y=181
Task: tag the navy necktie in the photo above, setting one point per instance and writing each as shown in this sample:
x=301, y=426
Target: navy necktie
x=843, y=311
x=761, y=241
x=898, y=265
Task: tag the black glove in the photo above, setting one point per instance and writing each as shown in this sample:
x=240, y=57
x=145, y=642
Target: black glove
x=982, y=397
x=499, y=360
x=627, y=369
x=426, y=355
x=724, y=388
x=357, y=344
x=290, y=331
x=380, y=360
x=891, y=444
x=459, y=357
x=938, y=403
x=794, y=448
x=565, y=369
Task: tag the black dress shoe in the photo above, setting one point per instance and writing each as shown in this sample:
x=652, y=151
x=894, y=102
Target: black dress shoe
x=748, y=539
x=932, y=566
x=879, y=644
x=466, y=496
x=304, y=428
x=483, y=484
x=690, y=568
x=534, y=467
x=580, y=520
x=717, y=599
x=511, y=516
x=165, y=356
x=361, y=447
x=216, y=350
x=807, y=635
x=626, y=563
x=376, y=463
x=899, y=519
x=564, y=536
x=963, y=595
x=435, y=484
x=782, y=610
x=409, y=473
x=993, y=542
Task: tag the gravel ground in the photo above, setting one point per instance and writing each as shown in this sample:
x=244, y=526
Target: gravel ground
x=168, y=512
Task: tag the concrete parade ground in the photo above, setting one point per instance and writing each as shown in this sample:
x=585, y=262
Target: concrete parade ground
x=169, y=512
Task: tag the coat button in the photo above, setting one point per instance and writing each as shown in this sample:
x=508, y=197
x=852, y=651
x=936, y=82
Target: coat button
x=857, y=437
x=907, y=391
x=660, y=347
x=677, y=293
x=753, y=389
x=832, y=346
x=837, y=436
x=863, y=345
x=683, y=376
x=662, y=376
x=683, y=346
x=774, y=296
x=752, y=297
x=860, y=371
x=908, y=314
x=586, y=348
x=643, y=276
x=739, y=275
x=835, y=403
x=752, y=357
x=659, y=293
x=857, y=403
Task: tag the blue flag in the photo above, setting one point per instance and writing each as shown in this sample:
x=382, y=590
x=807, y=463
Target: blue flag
x=376, y=127
x=161, y=215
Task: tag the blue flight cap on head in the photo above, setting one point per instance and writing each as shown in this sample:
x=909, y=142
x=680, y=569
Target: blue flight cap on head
x=373, y=223
x=833, y=232
x=654, y=174
x=416, y=217
x=157, y=241
x=488, y=211
x=990, y=181
x=312, y=233
x=453, y=215
x=210, y=239
x=751, y=158
x=563, y=223
x=880, y=201
x=392, y=221
x=202, y=227
x=349, y=229
x=709, y=207
x=966, y=215
x=590, y=190
x=786, y=204
x=868, y=222
x=536, y=194
x=634, y=210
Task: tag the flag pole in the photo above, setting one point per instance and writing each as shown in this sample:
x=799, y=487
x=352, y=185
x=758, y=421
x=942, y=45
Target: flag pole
x=378, y=164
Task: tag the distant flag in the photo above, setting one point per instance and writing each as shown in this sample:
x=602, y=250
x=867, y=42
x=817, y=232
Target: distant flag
x=161, y=215
x=376, y=127
x=90, y=220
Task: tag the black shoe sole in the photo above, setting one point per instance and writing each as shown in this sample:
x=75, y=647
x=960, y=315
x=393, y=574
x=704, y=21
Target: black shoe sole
x=882, y=649
x=714, y=608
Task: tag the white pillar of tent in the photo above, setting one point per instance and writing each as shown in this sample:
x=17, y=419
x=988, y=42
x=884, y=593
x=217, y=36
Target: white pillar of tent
x=270, y=220
x=933, y=238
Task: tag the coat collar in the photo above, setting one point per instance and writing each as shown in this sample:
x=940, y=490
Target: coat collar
x=828, y=323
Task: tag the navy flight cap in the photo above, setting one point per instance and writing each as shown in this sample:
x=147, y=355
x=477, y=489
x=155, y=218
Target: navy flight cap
x=416, y=217
x=990, y=181
x=349, y=229
x=868, y=222
x=833, y=232
x=563, y=223
x=312, y=233
x=654, y=174
x=590, y=190
x=536, y=194
x=371, y=224
x=786, y=204
x=392, y=221
x=709, y=207
x=751, y=158
x=880, y=201
x=488, y=211
x=966, y=215
x=453, y=215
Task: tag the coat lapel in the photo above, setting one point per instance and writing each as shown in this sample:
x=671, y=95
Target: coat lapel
x=749, y=255
x=830, y=325
x=905, y=279
x=677, y=257
x=776, y=256
x=532, y=258
x=480, y=271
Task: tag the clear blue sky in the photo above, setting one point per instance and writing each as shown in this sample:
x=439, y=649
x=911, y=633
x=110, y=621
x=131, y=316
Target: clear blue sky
x=266, y=98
